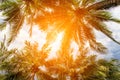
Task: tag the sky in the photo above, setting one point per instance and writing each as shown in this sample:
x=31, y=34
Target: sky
x=39, y=36
x=113, y=48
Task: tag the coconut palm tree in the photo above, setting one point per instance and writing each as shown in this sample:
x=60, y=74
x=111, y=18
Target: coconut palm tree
x=76, y=18
x=106, y=70
x=17, y=65
x=31, y=63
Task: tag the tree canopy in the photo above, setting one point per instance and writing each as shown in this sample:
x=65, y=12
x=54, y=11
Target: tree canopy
x=75, y=20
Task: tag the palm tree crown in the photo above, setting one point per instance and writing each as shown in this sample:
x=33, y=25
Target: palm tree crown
x=77, y=18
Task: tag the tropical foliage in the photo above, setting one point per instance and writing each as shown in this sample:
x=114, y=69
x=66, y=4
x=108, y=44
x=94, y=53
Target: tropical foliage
x=31, y=64
x=76, y=18
x=106, y=70
x=75, y=21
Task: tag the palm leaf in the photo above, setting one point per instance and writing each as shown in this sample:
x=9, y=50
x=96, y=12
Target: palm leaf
x=2, y=26
x=91, y=38
x=98, y=25
x=15, y=29
x=85, y=3
x=104, y=4
x=104, y=15
x=11, y=9
x=98, y=46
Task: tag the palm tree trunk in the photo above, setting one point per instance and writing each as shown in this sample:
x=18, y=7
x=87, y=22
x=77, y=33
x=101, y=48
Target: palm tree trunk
x=104, y=4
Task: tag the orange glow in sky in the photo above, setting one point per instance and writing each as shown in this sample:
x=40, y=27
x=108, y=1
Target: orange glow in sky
x=55, y=46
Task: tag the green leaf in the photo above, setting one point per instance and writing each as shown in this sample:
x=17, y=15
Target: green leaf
x=104, y=15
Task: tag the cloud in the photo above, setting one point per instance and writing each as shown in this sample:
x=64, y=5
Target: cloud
x=113, y=48
x=37, y=36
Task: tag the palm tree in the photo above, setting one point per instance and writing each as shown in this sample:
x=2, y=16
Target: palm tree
x=76, y=19
x=17, y=65
x=80, y=18
x=27, y=64
x=106, y=70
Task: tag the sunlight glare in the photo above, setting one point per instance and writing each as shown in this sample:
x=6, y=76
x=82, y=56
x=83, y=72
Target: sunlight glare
x=55, y=46
x=50, y=10
x=75, y=49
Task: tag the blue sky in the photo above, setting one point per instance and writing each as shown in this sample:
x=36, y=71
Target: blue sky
x=113, y=48
x=39, y=36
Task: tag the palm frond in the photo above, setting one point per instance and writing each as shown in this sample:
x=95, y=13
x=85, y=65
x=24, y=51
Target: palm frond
x=98, y=25
x=85, y=3
x=15, y=28
x=96, y=46
x=104, y=4
x=104, y=15
x=2, y=26
x=12, y=11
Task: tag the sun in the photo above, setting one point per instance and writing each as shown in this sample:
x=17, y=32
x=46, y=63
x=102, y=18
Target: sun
x=60, y=26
